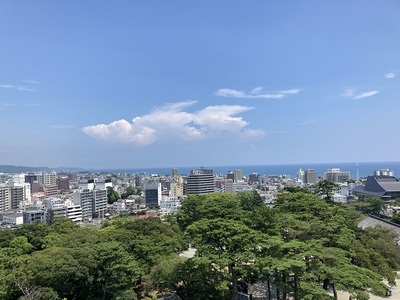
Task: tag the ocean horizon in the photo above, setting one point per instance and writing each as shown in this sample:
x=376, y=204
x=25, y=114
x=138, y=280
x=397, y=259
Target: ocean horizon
x=365, y=169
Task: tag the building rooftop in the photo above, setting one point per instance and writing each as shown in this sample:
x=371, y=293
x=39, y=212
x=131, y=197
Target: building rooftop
x=379, y=186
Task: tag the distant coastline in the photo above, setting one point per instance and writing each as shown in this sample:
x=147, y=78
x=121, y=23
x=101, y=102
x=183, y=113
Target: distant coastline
x=365, y=169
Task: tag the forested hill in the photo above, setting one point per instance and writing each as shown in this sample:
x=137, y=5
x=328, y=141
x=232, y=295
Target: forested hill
x=21, y=169
x=24, y=169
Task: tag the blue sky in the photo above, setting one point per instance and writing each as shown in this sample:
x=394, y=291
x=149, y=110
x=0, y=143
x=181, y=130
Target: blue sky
x=131, y=84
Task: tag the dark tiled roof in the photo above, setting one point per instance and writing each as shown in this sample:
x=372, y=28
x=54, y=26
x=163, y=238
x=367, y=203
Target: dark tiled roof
x=372, y=221
x=379, y=186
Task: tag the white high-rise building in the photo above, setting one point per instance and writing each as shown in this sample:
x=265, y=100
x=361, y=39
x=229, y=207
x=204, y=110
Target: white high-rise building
x=335, y=175
x=300, y=175
x=93, y=201
x=238, y=175
x=73, y=211
x=104, y=184
x=47, y=178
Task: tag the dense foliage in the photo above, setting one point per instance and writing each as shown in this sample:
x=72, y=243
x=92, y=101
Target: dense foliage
x=300, y=249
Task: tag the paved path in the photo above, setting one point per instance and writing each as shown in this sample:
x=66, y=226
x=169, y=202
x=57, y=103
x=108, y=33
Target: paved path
x=259, y=291
x=395, y=293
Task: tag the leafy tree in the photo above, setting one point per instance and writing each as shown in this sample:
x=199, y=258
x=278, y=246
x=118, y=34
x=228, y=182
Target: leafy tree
x=128, y=192
x=6, y=235
x=12, y=259
x=228, y=243
x=161, y=275
x=131, y=191
x=325, y=188
x=250, y=200
x=148, y=240
x=211, y=206
x=377, y=250
x=35, y=233
x=263, y=219
x=200, y=278
x=41, y=293
x=63, y=225
x=369, y=205
x=295, y=189
x=115, y=270
x=112, y=195
x=304, y=206
x=66, y=271
x=189, y=211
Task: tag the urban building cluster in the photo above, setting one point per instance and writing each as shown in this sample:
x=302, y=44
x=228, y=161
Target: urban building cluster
x=82, y=197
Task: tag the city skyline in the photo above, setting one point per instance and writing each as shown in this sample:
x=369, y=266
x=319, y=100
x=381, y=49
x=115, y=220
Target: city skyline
x=135, y=85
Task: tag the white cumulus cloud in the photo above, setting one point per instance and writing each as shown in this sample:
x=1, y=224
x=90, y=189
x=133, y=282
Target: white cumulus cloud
x=256, y=93
x=171, y=121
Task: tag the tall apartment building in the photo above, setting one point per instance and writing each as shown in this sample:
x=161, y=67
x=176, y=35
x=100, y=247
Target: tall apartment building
x=101, y=185
x=230, y=176
x=236, y=187
x=18, y=180
x=254, y=178
x=200, y=181
x=47, y=178
x=5, y=198
x=58, y=208
x=47, y=183
x=50, y=190
x=55, y=209
x=178, y=188
x=99, y=202
x=30, y=178
x=74, y=212
x=93, y=201
x=310, y=176
x=63, y=183
x=300, y=175
x=138, y=180
x=17, y=196
x=152, y=192
x=238, y=175
x=335, y=175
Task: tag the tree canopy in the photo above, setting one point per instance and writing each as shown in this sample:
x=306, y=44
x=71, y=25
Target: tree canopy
x=300, y=249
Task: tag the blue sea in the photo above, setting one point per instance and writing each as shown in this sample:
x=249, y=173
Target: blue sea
x=365, y=169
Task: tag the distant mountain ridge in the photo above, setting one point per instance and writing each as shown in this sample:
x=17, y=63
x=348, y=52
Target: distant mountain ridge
x=24, y=169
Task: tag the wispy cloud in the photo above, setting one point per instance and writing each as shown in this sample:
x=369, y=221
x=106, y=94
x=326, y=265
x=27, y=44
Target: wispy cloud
x=390, y=75
x=17, y=87
x=256, y=93
x=61, y=126
x=307, y=122
x=171, y=121
x=354, y=94
x=4, y=104
x=366, y=94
